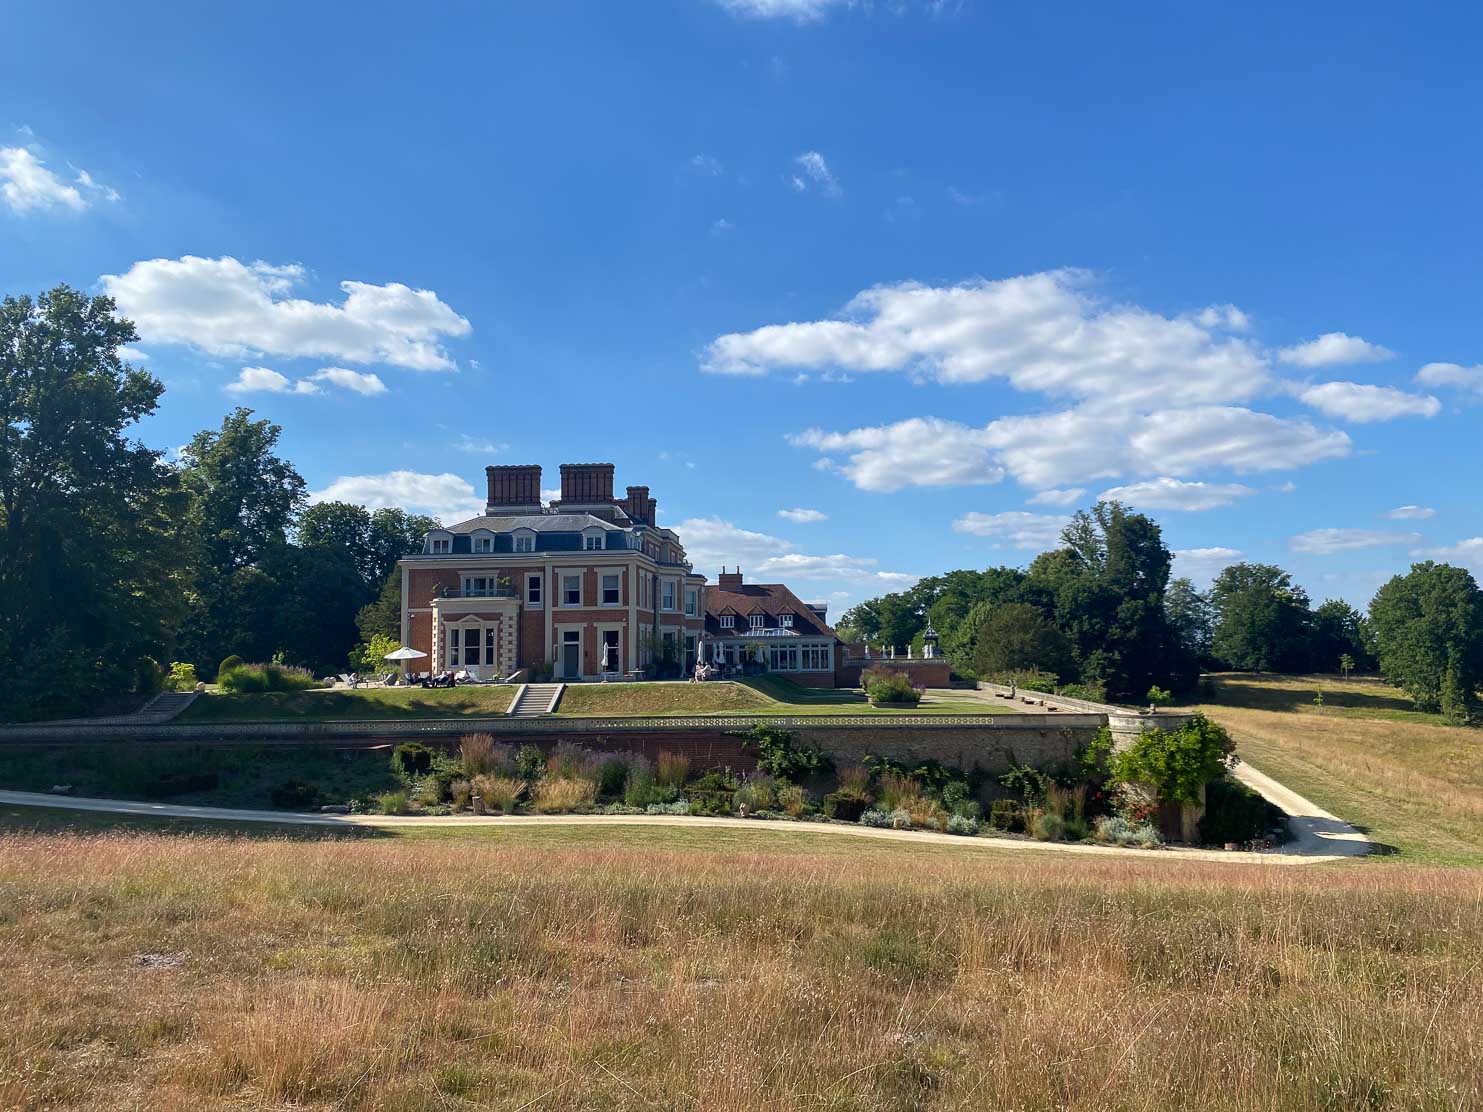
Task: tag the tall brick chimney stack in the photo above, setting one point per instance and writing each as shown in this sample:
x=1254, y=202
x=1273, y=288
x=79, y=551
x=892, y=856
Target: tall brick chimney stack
x=639, y=505
x=513, y=489
x=730, y=580
x=587, y=484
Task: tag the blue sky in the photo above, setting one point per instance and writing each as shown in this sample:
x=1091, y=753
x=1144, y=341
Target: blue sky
x=934, y=274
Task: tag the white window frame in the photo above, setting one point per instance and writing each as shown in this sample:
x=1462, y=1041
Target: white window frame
x=692, y=602
x=785, y=621
x=534, y=593
x=482, y=541
x=602, y=588
x=524, y=542
x=440, y=544
x=728, y=621
x=567, y=576
x=756, y=621
x=667, y=595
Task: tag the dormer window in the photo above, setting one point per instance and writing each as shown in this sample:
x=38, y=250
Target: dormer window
x=440, y=544
x=756, y=621
x=728, y=621
x=483, y=541
x=591, y=542
x=525, y=541
x=785, y=620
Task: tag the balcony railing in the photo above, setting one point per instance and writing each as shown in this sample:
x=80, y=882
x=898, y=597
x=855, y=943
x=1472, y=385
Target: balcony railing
x=486, y=592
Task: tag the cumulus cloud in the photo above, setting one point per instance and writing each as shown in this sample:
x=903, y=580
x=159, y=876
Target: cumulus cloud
x=230, y=308
x=1325, y=542
x=1468, y=553
x=1040, y=332
x=802, y=516
x=1067, y=497
x=1334, y=348
x=1355, y=401
x=1055, y=449
x=1222, y=316
x=446, y=497
x=1203, y=564
x=799, y=11
x=1023, y=530
x=1175, y=494
x=1467, y=379
x=27, y=184
x=1409, y=513
x=367, y=384
x=921, y=451
x=711, y=542
x=813, y=171
x=265, y=380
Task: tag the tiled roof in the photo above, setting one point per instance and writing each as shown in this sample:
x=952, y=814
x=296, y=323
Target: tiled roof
x=539, y=523
x=765, y=598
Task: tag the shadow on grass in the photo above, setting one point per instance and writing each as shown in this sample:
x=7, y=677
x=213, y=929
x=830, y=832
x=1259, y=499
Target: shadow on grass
x=1262, y=692
x=45, y=820
x=786, y=691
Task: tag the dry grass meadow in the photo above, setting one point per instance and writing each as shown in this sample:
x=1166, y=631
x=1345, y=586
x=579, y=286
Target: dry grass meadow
x=644, y=969
x=1414, y=783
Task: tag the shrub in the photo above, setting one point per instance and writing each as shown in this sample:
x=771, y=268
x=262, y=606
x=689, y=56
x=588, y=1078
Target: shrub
x=1075, y=829
x=1177, y=764
x=847, y=804
x=1159, y=697
x=411, y=758
x=182, y=677
x=569, y=761
x=672, y=769
x=1029, y=783
x=460, y=793
x=957, y=799
x=678, y=807
x=481, y=755
x=642, y=790
x=228, y=663
x=779, y=756
x=1067, y=803
x=427, y=791
x=613, y=771
x=500, y=793
x=1124, y=832
x=874, y=817
x=855, y=778
x=149, y=677
x=1047, y=826
x=962, y=824
x=1235, y=813
x=294, y=795
x=896, y=690
x=899, y=820
x=391, y=803
x=758, y=794
x=563, y=793
x=1031, y=678
x=1006, y=814
x=793, y=800
x=1091, y=692
x=530, y=763
x=247, y=679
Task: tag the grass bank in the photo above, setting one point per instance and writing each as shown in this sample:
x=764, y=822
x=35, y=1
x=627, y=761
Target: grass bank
x=1410, y=781
x=529, y=970
x=365, y=703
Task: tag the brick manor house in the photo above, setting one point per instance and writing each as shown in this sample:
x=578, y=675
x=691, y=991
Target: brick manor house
x=590, y=585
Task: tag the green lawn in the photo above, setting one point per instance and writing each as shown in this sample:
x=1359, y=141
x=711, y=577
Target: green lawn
x=761, y=695
x=360, y=704
x=1412, y=782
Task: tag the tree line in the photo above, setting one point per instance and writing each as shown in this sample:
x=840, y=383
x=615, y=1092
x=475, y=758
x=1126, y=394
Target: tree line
x=1101, y=615
x=115, y=561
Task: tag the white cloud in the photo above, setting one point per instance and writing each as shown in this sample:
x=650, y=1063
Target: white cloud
x=1175, y=494
x=1049, y=450
x=1023, y=530
x=814, y=169
x=711, y=542
x=1325, y=542
x=1409, y=513
x=1469, y=379
x=922, y=451
x=799, y=11
x=803, y=517
x=265, y=380
x=721, y=226
x=367, y=384
x=229, y=308
x=1468, y=553
x=1056, y=497
x=1223, y=316
x=1334, y=348
x=26, y=184
x=1203, y=564
x=446, y=497
x=706, y=166
x=487, y=447
x=1040, y=332
x=1356, y=401
x=550, y=494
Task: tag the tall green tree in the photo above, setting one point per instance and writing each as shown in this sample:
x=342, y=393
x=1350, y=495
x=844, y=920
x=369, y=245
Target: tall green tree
x=1262, y=620
x=244, y=500
x=90, y=561
x=1339, y=630
x=1018, y=637
x=1191, y=617
x=370, y=540
x=1428, y=627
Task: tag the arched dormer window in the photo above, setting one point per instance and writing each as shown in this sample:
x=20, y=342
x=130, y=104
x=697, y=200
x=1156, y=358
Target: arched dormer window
x=481, y=540
x=592, y=539
x=439, y=542
x=524, y=540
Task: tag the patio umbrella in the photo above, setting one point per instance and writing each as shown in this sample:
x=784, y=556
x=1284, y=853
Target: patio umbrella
x=403, y=655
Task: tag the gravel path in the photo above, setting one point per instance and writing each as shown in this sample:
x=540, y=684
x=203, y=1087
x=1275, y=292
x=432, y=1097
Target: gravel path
x=1318, y=836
